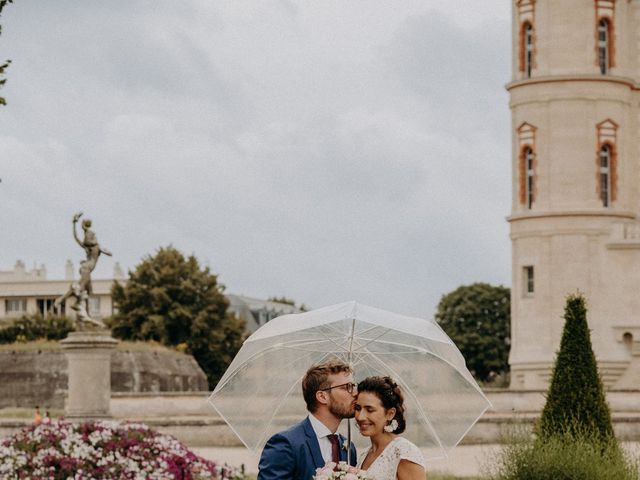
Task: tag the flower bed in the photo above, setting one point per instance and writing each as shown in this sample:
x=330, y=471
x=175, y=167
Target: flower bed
x=61, y=450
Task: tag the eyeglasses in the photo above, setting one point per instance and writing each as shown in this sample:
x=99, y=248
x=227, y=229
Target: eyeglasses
x=349, y=387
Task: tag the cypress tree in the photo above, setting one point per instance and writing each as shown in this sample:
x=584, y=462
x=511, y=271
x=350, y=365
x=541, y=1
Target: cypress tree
x=576, y=402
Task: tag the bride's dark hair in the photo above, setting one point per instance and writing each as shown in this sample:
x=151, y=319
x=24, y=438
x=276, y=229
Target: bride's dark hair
x=389, y=394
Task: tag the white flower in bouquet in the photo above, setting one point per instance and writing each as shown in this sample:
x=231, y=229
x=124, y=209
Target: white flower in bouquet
x=341, y=471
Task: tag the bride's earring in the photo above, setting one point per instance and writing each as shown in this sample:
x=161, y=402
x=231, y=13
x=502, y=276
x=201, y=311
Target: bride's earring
x=391, y=426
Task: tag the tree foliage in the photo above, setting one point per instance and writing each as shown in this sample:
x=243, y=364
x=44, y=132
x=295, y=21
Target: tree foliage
x=172, y=300
x=477, y=318
x=576, y=401
x=5, y=65
x=35, y=327
x=288, y=301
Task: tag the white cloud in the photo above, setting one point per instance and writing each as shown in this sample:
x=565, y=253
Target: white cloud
x=321, y=150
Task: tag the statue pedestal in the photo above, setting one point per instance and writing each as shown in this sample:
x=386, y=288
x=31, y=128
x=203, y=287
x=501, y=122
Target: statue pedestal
x=89, y=366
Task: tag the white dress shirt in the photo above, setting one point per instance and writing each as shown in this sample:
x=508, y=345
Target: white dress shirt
x=322, y=432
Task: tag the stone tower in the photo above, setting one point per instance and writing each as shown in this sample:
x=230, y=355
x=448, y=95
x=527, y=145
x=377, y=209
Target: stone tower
x=575, y=104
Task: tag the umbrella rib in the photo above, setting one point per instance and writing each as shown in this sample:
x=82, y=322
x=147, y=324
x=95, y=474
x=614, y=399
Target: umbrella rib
x=364, y=346
x=468, y=383
x=386, y=342
x=263, y=434
x=275, y=411
x=415, y=399
x=263, y=352
x=429, y=352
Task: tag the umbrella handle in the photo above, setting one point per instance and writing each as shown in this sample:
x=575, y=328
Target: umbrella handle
x=348, y=441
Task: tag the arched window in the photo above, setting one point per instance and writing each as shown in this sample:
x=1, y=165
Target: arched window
x=529, y=176
x=605, y=175
x=528, y=48
x=526, y=137
x=604, y=45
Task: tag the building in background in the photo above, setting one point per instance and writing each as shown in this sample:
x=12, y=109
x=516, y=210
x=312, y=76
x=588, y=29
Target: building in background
x=27, y=292
x=256, y=312
x=575, y=105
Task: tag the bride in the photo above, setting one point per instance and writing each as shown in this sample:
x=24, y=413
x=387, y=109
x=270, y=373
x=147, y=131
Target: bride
x=380, y=416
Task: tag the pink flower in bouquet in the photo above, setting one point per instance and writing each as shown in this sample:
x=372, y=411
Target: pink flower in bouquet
x=340, y=471
x=326, y=471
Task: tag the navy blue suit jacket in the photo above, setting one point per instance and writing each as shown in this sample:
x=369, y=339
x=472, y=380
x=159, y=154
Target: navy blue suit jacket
x=295, y=454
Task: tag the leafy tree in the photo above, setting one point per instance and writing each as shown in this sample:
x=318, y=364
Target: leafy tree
x=287, y=301
x=172, y=300
x=283, y=299
x=575, y=402
x=477, y=318
x=5, y=65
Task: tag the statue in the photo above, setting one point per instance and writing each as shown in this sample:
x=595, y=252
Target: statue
x=80, y=291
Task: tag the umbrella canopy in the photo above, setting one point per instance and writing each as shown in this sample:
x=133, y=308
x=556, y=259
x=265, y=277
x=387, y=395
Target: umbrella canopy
x=260, y=393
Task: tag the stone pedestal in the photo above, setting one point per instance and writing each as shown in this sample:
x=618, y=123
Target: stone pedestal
x=89, y=366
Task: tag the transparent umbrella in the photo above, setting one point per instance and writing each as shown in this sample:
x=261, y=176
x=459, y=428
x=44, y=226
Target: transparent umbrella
x=260, y=393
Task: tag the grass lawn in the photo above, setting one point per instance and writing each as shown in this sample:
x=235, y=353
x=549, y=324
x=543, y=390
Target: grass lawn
x=434, y=476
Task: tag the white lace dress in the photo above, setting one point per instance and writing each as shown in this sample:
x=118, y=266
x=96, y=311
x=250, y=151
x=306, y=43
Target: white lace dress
x=385, y=467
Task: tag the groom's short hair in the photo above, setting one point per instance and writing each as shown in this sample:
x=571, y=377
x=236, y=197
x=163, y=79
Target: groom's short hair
x=317, y=378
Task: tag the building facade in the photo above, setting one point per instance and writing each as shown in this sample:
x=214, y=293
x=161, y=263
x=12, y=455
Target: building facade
x=28, y=292
x=574, y=226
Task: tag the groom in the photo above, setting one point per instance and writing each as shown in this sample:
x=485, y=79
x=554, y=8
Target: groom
x=294, y=454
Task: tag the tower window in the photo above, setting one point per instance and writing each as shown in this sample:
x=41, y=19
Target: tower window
x=605, y=175
x=527, y=168
x=528, y=281
x=528, y=49
x=528, y=162
x=604, y=45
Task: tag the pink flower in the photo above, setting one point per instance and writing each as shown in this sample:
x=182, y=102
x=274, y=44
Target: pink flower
x=325, y=471
x=350, y=476
x=351, y=469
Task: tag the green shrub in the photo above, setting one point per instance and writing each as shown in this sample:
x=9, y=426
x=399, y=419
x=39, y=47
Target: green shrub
x=575, y=439
x=576, y=401
x=564, y=457
x=35, y=327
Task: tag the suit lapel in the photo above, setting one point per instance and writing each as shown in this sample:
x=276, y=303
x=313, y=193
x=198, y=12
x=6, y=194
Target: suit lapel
x=312, y=444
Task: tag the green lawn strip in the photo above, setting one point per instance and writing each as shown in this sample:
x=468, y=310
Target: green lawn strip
x=27, y=413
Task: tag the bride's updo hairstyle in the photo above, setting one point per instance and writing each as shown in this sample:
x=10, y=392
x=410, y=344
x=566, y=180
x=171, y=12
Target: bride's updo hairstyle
x=389, y=394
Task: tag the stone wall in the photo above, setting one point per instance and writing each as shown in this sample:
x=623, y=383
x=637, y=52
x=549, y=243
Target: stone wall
x=39, y=377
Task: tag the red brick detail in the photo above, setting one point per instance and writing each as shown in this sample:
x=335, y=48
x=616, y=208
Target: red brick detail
x=522, y=48
x=522, y=175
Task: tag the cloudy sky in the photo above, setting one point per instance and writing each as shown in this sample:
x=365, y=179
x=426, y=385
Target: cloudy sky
x=321, y=150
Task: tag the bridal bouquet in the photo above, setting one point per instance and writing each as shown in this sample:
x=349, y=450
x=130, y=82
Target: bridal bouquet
x=341, y=471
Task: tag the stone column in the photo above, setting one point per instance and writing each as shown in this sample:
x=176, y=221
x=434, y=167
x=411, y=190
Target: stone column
x=89, y=365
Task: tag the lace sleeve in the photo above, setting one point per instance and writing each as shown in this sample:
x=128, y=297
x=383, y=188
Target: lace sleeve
x=405, y=450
